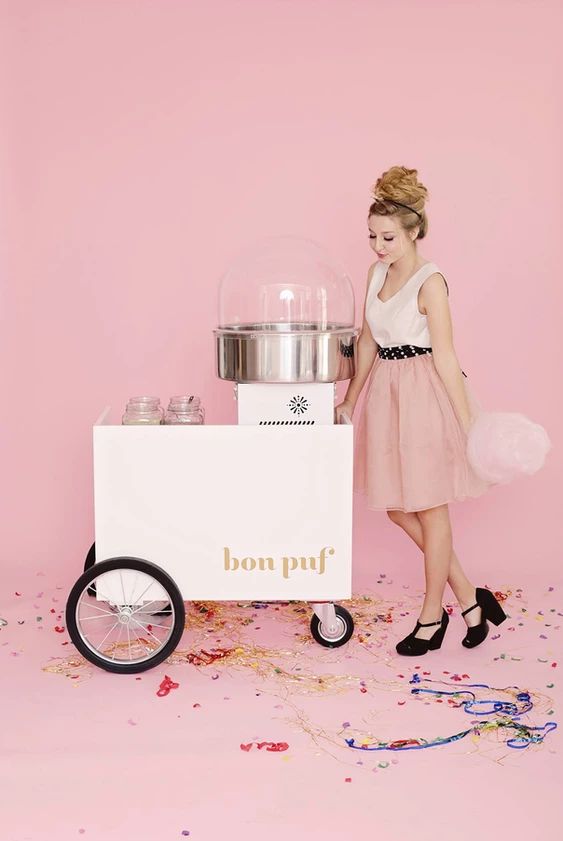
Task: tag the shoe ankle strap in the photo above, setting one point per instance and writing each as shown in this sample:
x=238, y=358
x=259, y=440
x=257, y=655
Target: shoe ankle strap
x=429, y=624
x=469, y=608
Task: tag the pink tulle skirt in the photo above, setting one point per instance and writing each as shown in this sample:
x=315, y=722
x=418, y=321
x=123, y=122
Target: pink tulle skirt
x=410, y=448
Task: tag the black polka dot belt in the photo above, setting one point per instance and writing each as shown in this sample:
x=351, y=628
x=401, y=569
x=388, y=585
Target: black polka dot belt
x=402, y=351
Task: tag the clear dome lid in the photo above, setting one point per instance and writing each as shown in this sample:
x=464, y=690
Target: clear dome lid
x=285, y=283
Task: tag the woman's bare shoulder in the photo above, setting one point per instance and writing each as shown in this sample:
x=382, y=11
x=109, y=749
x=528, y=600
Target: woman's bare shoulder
x=434, y=284
x=371, y=271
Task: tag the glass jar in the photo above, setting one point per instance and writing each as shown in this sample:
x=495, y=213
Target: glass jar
x=143, y=411
x=185, y=409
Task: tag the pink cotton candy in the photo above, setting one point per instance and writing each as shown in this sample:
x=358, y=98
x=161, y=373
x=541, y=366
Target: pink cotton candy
x=504, y=445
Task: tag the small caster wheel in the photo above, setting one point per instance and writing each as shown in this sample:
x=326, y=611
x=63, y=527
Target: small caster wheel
x=343, y=632
x=115, y=628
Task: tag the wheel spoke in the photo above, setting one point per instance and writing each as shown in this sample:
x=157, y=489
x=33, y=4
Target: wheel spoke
x=117, y=642
x=145, y=606
x=149, y=632
x=149, y=585
x=129, y=641
x=106, y=636
x=95, y=607
x=166, y=627
x=84, y=618
x=122, y=587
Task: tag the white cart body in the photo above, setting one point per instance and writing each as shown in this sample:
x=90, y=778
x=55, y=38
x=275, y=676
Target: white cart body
x=230, y=512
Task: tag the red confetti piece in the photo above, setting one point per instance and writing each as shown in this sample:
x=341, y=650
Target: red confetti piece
x=205, y=658
x=553, y=665
x=274, y=747
x=166, y=685
x=348, y=779
x=59, y=629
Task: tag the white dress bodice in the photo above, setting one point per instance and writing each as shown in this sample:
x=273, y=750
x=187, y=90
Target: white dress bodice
x=398, y=320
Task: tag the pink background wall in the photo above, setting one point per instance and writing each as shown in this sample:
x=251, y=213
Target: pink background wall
x=143, y=143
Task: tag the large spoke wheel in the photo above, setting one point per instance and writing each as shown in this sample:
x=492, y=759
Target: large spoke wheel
x=340, y=635
x=114, y=625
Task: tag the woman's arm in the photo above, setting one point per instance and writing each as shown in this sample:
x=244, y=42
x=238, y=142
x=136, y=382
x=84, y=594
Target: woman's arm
x=366, y=351
x=433, y=300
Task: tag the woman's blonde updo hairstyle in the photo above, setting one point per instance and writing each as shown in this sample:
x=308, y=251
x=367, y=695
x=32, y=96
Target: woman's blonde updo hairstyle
x=402, y=185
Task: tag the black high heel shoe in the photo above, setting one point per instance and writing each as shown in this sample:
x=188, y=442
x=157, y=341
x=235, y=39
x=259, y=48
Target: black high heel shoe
x=413, y=646
x=490, y=609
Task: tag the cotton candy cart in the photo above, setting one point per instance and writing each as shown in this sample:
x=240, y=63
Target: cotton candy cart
x=260, y=510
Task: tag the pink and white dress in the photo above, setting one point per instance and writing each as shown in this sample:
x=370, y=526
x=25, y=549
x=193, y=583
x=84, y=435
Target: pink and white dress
x=410, y=446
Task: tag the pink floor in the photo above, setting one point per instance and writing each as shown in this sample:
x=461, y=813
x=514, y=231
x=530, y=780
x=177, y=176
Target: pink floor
x=90, y=754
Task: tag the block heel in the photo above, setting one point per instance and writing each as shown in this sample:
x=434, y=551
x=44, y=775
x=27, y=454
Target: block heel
x=490, y=607
x=490, y=610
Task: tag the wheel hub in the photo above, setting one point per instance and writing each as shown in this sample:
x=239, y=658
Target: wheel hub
x=125, y=614
x=333, y=631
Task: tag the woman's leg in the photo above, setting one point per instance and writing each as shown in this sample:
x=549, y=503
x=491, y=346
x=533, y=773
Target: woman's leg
x=462, y=588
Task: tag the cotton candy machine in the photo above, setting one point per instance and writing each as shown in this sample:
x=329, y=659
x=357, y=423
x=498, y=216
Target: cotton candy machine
x=286, y=331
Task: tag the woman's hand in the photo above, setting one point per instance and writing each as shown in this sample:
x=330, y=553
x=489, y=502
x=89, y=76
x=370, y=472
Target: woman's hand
x=344, y=408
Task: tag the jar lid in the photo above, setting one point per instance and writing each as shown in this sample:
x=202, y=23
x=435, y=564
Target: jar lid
x=185, y=400
x=144, y=400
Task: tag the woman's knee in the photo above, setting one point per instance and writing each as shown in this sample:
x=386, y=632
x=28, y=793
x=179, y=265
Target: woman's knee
x=435, y=519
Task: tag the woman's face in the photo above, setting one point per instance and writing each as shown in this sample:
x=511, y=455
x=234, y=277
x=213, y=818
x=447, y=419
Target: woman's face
x=388, y=238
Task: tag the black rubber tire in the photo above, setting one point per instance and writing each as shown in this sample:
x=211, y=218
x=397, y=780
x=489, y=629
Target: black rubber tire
x=89, y=562
x=316, y=628
x=174, y=597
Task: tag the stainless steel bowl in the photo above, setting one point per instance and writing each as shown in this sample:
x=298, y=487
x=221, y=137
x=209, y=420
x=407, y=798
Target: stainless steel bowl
x=286, y=353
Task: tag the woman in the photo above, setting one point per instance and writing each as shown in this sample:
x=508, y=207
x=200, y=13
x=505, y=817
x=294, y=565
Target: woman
x=410, y=454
